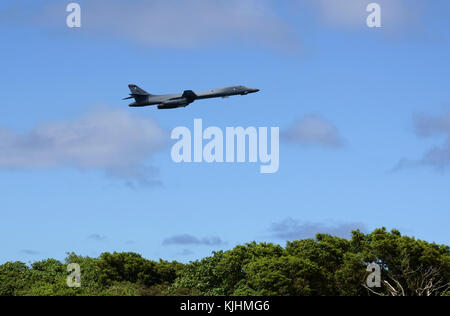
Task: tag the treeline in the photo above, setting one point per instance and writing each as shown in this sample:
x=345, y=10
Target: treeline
x=326, y=265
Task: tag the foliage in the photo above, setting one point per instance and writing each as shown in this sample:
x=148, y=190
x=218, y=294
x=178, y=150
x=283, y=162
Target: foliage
x=325, y=265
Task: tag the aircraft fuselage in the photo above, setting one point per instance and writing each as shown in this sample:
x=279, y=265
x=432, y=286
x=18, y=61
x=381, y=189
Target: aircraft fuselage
x=171, y=101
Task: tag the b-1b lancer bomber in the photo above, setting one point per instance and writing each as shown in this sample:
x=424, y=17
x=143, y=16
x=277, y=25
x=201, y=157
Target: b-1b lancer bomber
x=173, y=101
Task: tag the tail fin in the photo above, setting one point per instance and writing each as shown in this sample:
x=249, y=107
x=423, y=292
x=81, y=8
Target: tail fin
x=137, y=93
x=135, y=90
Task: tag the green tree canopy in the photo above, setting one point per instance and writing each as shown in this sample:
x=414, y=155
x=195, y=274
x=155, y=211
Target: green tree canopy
x=326, y=265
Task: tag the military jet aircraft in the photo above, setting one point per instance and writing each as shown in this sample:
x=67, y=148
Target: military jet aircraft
x=173, y=101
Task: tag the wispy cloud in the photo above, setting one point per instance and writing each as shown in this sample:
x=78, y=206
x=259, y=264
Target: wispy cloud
x=192, y=240
x=202, y=23
x=186, y=252
x=172, y=23
x=97, y=237
x=396, y=14
x=114, y=141
x=313, y=130
x=291, y=229
x=429, y=126
x=30, y=252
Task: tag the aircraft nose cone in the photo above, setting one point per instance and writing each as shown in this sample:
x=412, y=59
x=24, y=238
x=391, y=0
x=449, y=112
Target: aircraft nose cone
x=254, y=90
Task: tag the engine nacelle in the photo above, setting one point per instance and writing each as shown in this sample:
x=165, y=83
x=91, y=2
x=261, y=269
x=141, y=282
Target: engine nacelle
x=173, y=104
x=169, y=107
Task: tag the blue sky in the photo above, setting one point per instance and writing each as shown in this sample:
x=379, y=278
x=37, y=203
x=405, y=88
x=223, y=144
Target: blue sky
x=384, y=93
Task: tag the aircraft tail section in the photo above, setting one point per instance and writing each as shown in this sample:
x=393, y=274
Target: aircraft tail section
x=135, y=90
x=140, y=95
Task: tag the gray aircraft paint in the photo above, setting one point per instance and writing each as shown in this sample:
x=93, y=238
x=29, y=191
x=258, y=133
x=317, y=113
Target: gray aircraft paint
x=172, y=101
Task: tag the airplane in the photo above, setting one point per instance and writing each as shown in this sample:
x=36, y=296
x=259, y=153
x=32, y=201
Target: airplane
x=173, y=101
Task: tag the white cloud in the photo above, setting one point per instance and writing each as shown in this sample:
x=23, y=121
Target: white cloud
x=291, y=229
x=199, y=23
x=353, y=13
x=428, y=125
x=30, y=252
x=181, y=24
x=192, y=240
x=114, y=141
x=437, y=156
x=97, y=237
x=313, y=130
